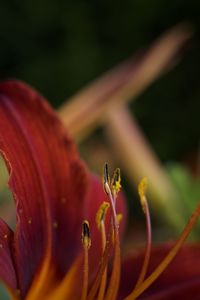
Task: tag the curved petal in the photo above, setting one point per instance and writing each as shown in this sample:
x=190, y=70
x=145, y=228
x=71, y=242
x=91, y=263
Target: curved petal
x=7, y=269
x=47, y=179
x=187, y=289
x=182, y=276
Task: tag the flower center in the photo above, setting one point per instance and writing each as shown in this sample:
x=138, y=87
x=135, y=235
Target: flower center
x=104, y=288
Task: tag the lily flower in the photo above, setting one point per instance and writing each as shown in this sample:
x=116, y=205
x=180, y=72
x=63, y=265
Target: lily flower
x=66, y=244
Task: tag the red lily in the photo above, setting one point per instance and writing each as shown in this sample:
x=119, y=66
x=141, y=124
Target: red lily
x=54, y=193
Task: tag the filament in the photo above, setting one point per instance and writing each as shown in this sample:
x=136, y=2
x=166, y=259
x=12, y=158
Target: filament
x=142, y=189
x=115, y=276
x=166, y=261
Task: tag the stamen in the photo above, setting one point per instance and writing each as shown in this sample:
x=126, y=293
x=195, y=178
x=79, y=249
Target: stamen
x=100, y=219
x=119, y=218
x=106, y=178
x=166, y=261
x=108, y=191
x=141, y=190
x=86, y=245
x=86, y=234
x=102, y=267
x=100, y=216
x=116, y=182
x=115, y=276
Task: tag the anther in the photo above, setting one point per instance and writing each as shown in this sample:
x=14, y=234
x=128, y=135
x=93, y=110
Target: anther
x=29, y=221
x=116, y=181
x=106, y=178
x=86, y=245
x=142, y=187
x=101, y=213
x=86, y=234
x=119, y=218
x=144, y=203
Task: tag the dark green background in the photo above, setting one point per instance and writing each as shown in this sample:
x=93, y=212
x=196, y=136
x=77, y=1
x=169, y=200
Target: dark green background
x=59, y=46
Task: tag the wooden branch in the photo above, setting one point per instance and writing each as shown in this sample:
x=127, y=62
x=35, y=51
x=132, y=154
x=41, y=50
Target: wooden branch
x=84, y=111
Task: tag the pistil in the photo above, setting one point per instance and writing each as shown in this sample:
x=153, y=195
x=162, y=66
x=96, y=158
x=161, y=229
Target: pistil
x=145, y=207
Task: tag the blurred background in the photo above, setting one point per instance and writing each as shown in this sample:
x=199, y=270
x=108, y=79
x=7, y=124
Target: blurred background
x=59, y=47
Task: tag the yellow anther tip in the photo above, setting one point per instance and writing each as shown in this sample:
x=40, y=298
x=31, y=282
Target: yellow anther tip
x=119, y=218
x=142, y=187
x=116, y=181
x=101, y=213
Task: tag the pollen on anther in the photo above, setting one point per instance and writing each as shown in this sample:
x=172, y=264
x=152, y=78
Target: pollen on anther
x=116, y=181
x=142, y=187
x=100, y=216
x=5, y=236
x=119, y=218
x=86, y=234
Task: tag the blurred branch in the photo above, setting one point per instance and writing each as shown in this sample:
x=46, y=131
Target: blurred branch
x=104, y=102
x=138, y=160
x=84, y=111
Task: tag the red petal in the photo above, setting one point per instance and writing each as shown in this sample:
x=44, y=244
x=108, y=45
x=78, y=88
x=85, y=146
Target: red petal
x=181, y=278
x=7, y=270
x=95, y=198
x=46, y=177
x=187, y=289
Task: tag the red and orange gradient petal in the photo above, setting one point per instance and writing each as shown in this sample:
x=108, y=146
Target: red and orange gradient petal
x=48, y=181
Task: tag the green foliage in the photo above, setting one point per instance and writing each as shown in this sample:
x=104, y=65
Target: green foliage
x=188, y=189
x=3, y=292
x=187, y=186
x=5, y=194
